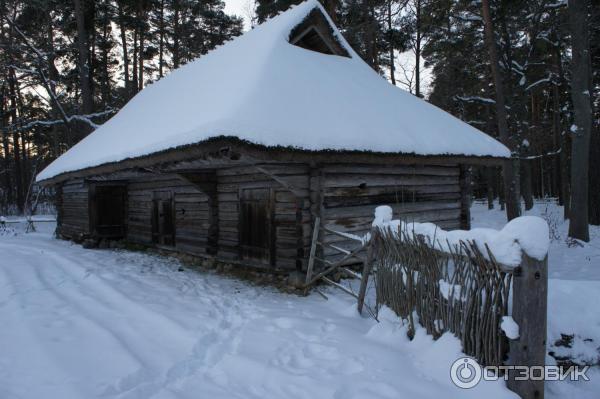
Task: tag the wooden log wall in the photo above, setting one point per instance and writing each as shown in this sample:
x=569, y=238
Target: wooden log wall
x=206, y=182
x=207, y=204
x=73, y=209
x=192, y=219
x=419, y=193
x=291, y=213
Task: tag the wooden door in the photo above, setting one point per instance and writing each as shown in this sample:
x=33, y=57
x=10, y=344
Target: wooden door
x=108, y=210
x=163, y=218
x=256, y=225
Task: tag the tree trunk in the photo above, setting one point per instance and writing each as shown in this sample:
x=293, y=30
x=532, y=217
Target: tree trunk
x=594, y=190
x=330, y=7
x=134, y=83
x=161, y=41
x=565, y=146
x=176, y=53
x=565, y=173
x=369, y=34
x=501, y=192
x=490, y=177
x=418, y=49
x=15, y=139
x=526, y=185
x=22, y=136
x=53, y=78
x=105, y=82
x=6, y=148
x=510, y=168
x=83, y=59
x=123, y=30
x=556, y=143
x=581, y=78
x=141, y=61
x=389, y=23
x=141, y=16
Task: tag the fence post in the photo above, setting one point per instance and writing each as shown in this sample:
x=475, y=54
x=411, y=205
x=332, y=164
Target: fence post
x=366, y=270
x=529, y=311
x=313, y=250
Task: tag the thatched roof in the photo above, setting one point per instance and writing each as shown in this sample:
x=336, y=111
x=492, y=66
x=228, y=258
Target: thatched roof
x=267, y=88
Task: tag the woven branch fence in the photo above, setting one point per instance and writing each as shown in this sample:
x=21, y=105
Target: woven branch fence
x=461, y=291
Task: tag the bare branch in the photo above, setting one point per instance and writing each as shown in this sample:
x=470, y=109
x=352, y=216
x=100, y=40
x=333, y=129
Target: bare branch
x=41, y=58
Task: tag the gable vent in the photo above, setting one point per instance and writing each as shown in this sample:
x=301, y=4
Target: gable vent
x=316, y=34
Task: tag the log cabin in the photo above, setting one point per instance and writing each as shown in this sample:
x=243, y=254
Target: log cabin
x=233, y=156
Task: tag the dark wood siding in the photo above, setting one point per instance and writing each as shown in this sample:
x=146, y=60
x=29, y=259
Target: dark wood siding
x=291, y=209
x=74, y=209
x=191, y=213
x=419, y=193
x=262, y=215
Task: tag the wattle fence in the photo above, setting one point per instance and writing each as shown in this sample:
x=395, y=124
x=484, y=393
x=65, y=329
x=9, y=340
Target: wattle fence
x=463, y=291
x=462, y=288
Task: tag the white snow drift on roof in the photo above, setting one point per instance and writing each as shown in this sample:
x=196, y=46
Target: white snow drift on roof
x=263, y=89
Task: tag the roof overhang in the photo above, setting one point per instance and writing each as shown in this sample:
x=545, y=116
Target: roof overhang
x=228, y=151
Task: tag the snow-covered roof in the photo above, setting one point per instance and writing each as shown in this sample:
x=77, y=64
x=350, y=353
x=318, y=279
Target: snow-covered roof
x=262, y=89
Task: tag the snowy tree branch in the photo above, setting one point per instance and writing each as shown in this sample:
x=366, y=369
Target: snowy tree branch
x=471, y=99
x=83, y=118
x=40, y=56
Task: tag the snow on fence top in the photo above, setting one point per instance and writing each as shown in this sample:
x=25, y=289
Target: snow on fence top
x=262, y=89
x=528, y=234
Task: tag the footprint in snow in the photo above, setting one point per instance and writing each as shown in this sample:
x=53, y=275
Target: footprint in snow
x=133, y=381
x=371, y=390
x=302, y=359
x=328, y=327
x=284, y=322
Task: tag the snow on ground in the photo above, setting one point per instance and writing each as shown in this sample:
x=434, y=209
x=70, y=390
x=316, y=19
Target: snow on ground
x=565, y=262
x=115, y=324
x=81, y=323
x=573, y=289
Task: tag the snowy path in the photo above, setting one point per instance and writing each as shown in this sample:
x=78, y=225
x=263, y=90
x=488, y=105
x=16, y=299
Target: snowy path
x=83, y=324
x=113, y=324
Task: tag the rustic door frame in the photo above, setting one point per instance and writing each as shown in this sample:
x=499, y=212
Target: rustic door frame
x=159, y=198
x=93, y=216
x=270, y=225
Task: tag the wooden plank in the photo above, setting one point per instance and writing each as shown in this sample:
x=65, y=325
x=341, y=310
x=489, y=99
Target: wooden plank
x=358, y=180
x=450, y=170
x=313, y=250
x=275, y=168
x=399, y=209
x=339, y=286
x=368, y=264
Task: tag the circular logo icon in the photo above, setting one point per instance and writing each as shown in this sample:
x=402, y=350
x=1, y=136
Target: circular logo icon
x=465, y=373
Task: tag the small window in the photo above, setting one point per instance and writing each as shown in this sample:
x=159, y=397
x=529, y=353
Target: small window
x=256, y=225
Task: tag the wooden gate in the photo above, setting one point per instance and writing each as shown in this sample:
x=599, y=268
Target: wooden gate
x=361, y=254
